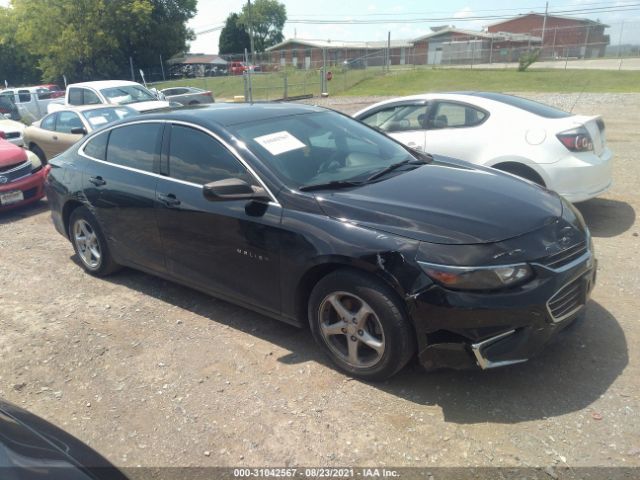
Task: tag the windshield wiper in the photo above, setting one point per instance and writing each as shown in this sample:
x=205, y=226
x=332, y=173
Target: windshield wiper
x=329, y=185
x=394, y=166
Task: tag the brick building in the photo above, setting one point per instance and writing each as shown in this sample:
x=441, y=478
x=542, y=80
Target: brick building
x=504, y=41
x=303, y=53
x=562, y=36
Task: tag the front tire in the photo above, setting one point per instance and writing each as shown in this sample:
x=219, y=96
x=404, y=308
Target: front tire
x=360, y=323
x=90, y=244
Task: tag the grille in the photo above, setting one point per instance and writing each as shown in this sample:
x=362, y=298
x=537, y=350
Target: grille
x=566, y=256
x=568, y=300
x=17, y=171
x=12, y=135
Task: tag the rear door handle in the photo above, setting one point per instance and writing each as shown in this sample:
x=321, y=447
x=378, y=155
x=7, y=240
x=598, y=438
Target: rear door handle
x=169, y=199
x=97, y=181
x=55, y=137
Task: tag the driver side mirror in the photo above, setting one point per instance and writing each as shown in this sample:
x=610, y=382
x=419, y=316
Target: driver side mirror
x=78, y=131
x=232, y=189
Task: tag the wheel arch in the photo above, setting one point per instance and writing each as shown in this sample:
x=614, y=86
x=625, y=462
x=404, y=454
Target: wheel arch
x=324, y=267
x=522, y=167
x=67, y=210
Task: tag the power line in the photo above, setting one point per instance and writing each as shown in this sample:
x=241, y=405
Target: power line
x=351, y=21
x=434, y=12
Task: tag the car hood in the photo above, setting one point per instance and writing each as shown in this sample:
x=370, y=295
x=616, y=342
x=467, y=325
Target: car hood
x=146, y=106
x=447, y=202
x=11, y=154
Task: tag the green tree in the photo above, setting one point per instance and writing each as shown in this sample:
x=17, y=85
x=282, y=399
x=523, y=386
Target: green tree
x=233, y=37
x=265, y=19
x=93, y=39
x=17, y=65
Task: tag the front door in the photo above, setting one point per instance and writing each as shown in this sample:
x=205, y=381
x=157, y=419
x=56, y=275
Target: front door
x=230, y=248
x=404, y=122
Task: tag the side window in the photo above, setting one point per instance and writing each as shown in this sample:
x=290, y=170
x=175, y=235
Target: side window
x=90, y=98
x=197, y=158
x=49, y=122
x=97, y=146
x=450, y=115
x=400, y=118
x=75, y=96
x=24, y=96
x=135, y=146
x=67, y=121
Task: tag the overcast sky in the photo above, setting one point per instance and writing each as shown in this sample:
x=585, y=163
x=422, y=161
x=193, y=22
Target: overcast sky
x=212, y=13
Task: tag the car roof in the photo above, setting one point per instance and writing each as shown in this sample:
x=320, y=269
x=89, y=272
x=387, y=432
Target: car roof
x=83, y=108
x=227, y=114
x=100, y=84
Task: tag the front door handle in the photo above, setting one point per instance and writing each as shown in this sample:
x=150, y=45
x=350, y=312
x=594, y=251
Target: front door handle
x=169, y=199
x=97, y=181
x=55, y=137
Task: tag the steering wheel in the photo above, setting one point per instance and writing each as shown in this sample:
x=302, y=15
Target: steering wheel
x=335, y=161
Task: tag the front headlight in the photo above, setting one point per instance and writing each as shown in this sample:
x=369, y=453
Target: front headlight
x=478, y=278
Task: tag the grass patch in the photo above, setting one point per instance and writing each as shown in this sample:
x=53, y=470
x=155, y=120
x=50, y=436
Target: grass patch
x=434, y=80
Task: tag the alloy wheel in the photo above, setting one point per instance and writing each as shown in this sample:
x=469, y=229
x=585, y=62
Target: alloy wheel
x=87, y=244
x=351, y=329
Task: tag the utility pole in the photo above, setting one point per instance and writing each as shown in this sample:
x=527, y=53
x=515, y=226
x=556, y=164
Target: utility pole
x=544, y=26
x=620, y=41
x=388, y=51
x=250, y=30
x=133, y=77
x=162, y=68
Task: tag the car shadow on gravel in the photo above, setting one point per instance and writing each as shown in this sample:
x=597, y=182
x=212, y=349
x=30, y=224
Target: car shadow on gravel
x=607, y=218
x=297, y=341
x=570, y=374
x=21, y=213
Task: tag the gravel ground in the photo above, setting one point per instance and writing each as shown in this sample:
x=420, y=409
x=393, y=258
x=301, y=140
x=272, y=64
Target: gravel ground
x=152, y=373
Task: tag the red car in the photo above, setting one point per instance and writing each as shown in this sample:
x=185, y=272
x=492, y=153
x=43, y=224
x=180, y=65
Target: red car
x=238, y=68
x=21, y=176
x=56, y=91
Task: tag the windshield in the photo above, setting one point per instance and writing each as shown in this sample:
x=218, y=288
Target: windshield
x=103, y=116
x=319, y=148
x=127, y=94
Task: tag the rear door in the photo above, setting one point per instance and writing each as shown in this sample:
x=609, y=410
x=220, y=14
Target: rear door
x=44, y=135
x=455, y=129
x=62, y=138
x=120, y=184
x=230, y=247
x=403, y=121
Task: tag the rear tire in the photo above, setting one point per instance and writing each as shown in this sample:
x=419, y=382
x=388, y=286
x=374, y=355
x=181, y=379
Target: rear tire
x=361, y=324
x=90, y=244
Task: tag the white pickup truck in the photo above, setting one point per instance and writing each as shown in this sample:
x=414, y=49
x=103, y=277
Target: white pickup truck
x=32, y=102
x=115, y=92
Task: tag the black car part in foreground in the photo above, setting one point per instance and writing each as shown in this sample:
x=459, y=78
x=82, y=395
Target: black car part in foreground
x=311, y=217
x=32, y=448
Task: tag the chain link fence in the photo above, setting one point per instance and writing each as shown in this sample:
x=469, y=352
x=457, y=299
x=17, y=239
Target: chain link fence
x=297, y=69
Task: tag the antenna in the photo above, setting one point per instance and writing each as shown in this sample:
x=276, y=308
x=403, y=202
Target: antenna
x=578, y=97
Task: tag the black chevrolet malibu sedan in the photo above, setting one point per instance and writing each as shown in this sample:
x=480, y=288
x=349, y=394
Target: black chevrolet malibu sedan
x=308, y=216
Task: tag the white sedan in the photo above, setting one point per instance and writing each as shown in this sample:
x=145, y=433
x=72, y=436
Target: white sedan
x=561, y=151
x=12, y=131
